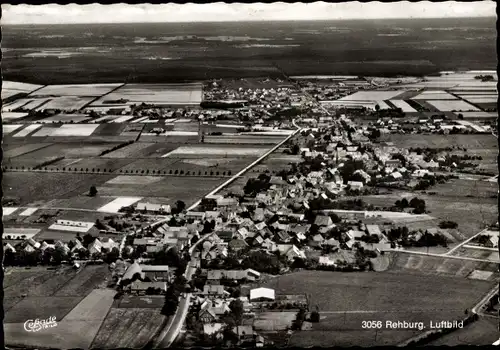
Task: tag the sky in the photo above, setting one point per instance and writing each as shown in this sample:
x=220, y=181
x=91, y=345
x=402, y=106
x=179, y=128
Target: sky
x=215, y=12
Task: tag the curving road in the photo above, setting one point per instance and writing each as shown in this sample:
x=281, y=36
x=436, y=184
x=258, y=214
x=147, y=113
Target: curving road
x=170, y=332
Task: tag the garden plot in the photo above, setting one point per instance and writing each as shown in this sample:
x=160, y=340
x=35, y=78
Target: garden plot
x=8, y=128
x=66, y=103
x=452, y=105
x=115, y=205
x=405, y=107
x=28, y=130
x=216, y=151
x=76, y=90
x=75, y=130
x=372, y=95
x=134, y=180
x=274, y=321
x=7, y=116
x=66, y=118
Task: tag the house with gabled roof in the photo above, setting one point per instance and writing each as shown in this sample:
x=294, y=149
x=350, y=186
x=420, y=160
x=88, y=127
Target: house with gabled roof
x=237, y=244
x=323, y=220
x=317, y=240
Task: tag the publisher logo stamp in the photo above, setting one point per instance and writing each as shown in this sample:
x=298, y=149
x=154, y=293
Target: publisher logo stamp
x=38, y=325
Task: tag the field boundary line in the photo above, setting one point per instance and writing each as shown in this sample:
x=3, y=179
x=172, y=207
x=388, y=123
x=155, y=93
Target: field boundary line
x=465, y=242
x=101, y=96
x=100, y=326
x=34, y=150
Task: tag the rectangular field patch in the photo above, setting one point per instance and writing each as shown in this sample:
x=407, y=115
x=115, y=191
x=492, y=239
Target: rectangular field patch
x=481, y=275
x=452, y=105
x=28, y=130
x=134, y=180
x=8, y=210
x=118, y=203
x=28, y=212
x=217, y=151
x=7, y=129
x=75, y=130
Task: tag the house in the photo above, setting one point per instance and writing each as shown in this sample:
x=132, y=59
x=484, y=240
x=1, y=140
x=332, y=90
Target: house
x=217, y=275
x=355, y=185
x=157, y=272
x=290, y=251
x=355, y=234
x=244, y=333
x=260, y=226
x=276, y=180
x=237, y=244
x=33, y=243
x=397, y=175
x=332, y=242
x=8, y=247
x=144, y=241
x=258, y=240
x=269, y=245
x=140, y=287
x=393, y=163
x=132, y=270
x=241, y=233
x=261, y=294
x=195, y=215
x=95, y=247
x=326, y=261
x=214, y=290
x=210, y=329
x=207, y=316
x=374, y=230
x=225, y=235
x=317, y=240
x=227, y=202
x=153, y=208
x=323, y=220
x=283, y=236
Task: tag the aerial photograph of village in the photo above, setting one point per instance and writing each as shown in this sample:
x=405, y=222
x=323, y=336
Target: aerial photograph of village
x=250, y=175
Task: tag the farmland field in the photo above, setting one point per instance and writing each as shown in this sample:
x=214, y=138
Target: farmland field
x=76, y=330
x=163, y=94
x=134, y=150
x=76, y=90
x=101, y=164
x=75, y=130
x=8, y=116
x=27, y=130
x=452, y=105
x=470, y=142
x=25, y=148
x=405, y=107
x=482, y=332
x=73, y=150
x=187, y=189
x=140, y=302
x=434, y=95
x=22, y=87
x=372, y=95
x=387, y=295
x=66, y=118
x=65, y=103
x=8, y=128
x=115, y=330
x=45, y=131
x=31, y=187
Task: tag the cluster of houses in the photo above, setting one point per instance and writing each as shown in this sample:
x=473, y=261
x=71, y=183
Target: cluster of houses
x=73, y=248
x=263, y=97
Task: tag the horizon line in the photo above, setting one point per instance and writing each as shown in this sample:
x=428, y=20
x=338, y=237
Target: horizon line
x=254, y=21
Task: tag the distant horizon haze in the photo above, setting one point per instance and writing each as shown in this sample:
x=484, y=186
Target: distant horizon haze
x=218, y=12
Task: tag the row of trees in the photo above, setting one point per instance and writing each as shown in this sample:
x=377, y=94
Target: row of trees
x=416, y=203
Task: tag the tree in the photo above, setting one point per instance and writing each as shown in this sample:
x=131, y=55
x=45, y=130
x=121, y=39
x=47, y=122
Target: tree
x=295, y=149
x=300, y=317
x=315, y=317
x=92, y=191
x=180, y=206
x=377, y=107
x=237, y=311
x=88, y=239
x=112, y=256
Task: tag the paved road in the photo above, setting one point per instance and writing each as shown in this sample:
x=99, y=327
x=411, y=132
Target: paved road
x=173, y=327
x=441, y=255
x=464, y=242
